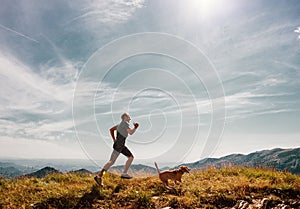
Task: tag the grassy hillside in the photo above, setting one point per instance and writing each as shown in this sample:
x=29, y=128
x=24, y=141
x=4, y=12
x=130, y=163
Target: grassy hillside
x=280, y=159
x=211, y=188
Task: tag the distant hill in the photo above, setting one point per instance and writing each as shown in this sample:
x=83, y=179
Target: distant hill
x=43, y=172
x=9, y=172
x=81, y=171
x=280, y=159
x=12, y=170
x=138, y=169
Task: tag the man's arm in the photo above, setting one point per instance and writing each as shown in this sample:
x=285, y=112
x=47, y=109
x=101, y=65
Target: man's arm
x=112, y=132
x=131, y=131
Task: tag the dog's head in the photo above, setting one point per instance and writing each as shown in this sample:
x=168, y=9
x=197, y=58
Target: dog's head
x=185, y=169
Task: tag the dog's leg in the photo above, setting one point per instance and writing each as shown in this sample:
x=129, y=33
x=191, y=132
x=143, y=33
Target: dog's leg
x=178, y=182
x=171, y=186
x=167, y=185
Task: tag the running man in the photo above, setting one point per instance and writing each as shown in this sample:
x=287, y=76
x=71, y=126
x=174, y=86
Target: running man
x=119, y=147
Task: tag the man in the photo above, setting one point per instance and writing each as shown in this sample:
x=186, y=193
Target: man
x=119, y=147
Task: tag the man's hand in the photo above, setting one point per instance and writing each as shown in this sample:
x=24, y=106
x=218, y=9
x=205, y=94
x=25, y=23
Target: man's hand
x=136, y=125
x=132, y=131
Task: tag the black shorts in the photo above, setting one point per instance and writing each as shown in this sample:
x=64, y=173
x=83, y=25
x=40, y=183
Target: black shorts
x=119, y=146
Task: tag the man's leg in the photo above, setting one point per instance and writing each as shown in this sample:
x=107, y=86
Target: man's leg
x=114, y=155
x=128, y=163
x=127, y=153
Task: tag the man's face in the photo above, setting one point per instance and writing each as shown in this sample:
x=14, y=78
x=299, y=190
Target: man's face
x=127, y=118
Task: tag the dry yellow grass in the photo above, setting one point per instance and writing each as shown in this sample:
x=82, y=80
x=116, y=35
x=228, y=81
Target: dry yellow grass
x=209, y=188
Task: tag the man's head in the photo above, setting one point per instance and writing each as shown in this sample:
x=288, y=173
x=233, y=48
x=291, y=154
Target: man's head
x=126, y=117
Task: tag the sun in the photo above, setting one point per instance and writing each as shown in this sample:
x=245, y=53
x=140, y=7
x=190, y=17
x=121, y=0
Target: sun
x=206, y=7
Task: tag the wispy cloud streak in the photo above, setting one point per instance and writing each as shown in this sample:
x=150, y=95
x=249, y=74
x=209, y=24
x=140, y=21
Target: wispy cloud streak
x=18, y=33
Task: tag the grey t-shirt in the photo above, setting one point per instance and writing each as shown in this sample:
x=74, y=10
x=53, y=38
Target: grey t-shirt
x=122, y=128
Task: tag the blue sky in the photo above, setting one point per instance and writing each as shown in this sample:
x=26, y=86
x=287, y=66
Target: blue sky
x=51, y=54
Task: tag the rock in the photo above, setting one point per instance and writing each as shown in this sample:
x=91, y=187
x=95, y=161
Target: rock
x=265, y=203
x=295, y=204
x=241, y=204
x=256, y=203
x=282, y=206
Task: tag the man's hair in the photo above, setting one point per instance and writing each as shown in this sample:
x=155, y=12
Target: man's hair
x=123, y=115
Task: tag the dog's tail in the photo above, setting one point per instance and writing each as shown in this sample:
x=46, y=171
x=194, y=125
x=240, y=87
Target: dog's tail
x=157, y=168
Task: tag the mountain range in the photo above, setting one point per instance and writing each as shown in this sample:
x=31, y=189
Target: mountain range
x=279, y=159
x=136, y=170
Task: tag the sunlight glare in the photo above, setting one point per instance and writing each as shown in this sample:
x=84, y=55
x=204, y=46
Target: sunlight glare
x=207, y=8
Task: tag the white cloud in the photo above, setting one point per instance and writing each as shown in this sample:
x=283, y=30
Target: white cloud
x=44, y=130
x=297, y=31
x=273, y=81
x=21, y=87
x=248, y=104
x=25, y=148
x=18, y=33
x=107, y=12
x=36, y=106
